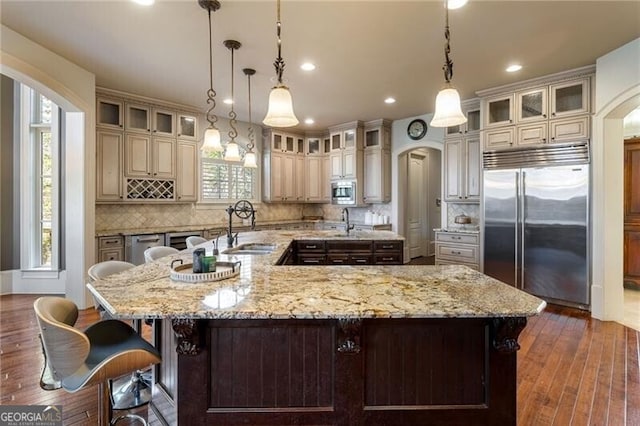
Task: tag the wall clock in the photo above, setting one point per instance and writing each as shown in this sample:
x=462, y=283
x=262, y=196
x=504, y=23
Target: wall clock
x=417, y=129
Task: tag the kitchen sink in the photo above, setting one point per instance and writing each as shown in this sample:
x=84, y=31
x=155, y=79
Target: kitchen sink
x=251, y=248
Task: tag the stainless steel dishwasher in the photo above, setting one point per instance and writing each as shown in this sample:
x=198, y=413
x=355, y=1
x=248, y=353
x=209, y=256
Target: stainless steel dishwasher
x=135, y=245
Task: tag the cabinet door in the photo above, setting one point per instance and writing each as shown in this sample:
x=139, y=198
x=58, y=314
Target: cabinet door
x=532, y=134
x=164, y=158
x=137, y=154
x=349, y=139
x=473, y=121
x=277, y=142
x=531, y=105
x=137, y=118
x=498, y=111
x=187, y=171
x=335, y=158
x=164, y=123
x=314, y=179
x=570, y=129
x=288, y=178
x=187, y=127
x=372, y=175
x=300, y=178
x=336, y=141
x=289, y=143
x=372, y=138
x=108, y=166
x=570, y=98
x=498, y=138
x=325, y=181
x=452, y=180
x=349, y=163
x=313, y=146
x=109, y=113
x=473, y=169
x=277, y=165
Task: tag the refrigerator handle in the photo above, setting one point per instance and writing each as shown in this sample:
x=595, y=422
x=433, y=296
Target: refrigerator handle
x=517, y=233
x=522, y=220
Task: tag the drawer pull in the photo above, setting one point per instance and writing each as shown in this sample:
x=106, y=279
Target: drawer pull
x=311, y=261
x=338, y=261
x=361, y=260
x=387, y=258
x=456, y=238
x=310, y=246
x=387, y=246
x=455, y=252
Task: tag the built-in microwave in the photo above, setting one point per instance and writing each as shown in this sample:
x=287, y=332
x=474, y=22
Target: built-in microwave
x=343, y=192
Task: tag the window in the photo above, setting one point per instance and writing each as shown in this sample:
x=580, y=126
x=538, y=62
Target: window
x=224, y=181
x=39, y=182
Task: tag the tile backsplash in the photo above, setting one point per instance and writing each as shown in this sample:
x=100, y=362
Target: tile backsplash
x=144, y=216
x=471, y=210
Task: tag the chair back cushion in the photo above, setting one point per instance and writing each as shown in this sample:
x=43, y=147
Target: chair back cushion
x=66, y=348
x=194, y=240
x=153, y=253
x=109, y=267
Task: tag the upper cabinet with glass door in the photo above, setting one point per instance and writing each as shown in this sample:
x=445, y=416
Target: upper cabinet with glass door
x=471, y=110
x=498, y=110
x=109, y=113
x=143, y=118
x=531, y=105
x=187, y=127
x=569, y=98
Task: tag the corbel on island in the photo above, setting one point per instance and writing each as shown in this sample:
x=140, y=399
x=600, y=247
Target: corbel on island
x=345, y=345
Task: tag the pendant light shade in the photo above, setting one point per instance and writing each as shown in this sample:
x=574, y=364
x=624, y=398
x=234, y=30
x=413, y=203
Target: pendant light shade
x=212, y=141
x=280, y=112
x=232, y=153
x=250, y=160
x=448, y=112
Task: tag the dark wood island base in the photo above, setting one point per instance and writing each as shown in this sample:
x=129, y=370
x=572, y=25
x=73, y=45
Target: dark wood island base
x=422, y=371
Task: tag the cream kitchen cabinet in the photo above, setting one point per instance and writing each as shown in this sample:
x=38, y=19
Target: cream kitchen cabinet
x=286, y=142
x=471, y=110
x=279, y=183
x=110, y=248
x=109, y=147
x=462, y=173
x=147, y=156
x=109, y=113
x=498, y=111
x=346, y=154
x=187, y=126
x=147, y=119
x=315, y=179
x=458, y=248
x=377, y=162
x=300, y=177
x=563, y=99
x=187, y=172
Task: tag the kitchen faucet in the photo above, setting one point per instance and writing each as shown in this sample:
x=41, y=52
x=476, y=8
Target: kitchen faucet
x=230, y=237
x=345, y=218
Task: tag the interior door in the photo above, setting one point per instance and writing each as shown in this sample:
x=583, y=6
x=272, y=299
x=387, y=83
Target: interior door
x=632, y=214
x=416, y=218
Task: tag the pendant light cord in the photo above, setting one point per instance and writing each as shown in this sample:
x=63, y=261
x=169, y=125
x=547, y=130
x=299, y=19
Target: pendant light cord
x=211, y=94
x=232, y=114
x=279, y=62
x=250, y=133
x=448, y=63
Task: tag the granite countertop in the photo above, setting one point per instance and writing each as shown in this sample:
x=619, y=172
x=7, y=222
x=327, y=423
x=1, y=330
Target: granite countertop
x=264, y=290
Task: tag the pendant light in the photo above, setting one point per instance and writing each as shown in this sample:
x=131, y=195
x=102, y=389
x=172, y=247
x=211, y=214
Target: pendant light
x=212, y=134
x=448, y=112
x=250, y=156
x=232, y=152
x=280, y=111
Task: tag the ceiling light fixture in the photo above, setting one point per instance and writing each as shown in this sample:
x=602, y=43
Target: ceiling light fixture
x=232, y=152
x=390, y=101
x=456, y=4
x=228, y=101
x=309, y=121
x=514, y=68
x=211, y=141
x=144, y=2
x=250, y=156
x=280, y=112
x=448, y=111
x=308, y=66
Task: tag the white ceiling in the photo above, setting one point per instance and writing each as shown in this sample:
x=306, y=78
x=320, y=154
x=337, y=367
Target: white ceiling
x=365, y=51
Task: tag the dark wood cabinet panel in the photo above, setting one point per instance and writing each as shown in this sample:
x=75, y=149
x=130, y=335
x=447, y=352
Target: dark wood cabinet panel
x=353, y=246
x=311, y=259
x=383, y=246
x=632, y=257
x=349, y=252
x=305, y=246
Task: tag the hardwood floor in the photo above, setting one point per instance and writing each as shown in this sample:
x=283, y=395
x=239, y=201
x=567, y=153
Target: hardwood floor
x=572, y=370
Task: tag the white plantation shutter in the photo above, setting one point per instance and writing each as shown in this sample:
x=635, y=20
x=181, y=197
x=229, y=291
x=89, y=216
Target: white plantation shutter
x=223, y=180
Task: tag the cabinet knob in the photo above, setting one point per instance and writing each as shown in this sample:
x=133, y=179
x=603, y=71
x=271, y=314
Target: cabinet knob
x=544, y=115
x=553, y=114
x=544, y=140
x=553, y=138
x=510, y=121
x=120, y=125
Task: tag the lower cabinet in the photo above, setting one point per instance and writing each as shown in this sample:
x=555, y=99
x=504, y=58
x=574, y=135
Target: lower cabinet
x=458, y=248
x=348, y=252
x=110, y=248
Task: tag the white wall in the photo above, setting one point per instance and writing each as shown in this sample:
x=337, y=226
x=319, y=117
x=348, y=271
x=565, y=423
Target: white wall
x=617, y=94
x=73, y=89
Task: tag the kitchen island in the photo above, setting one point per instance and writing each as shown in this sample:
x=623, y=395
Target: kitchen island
x=345, y=345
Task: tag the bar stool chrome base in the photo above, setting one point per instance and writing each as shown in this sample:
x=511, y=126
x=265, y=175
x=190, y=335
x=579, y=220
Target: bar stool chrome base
x=129, y=392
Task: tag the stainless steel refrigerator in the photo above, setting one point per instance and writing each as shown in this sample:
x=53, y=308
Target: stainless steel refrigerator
x=536, y=222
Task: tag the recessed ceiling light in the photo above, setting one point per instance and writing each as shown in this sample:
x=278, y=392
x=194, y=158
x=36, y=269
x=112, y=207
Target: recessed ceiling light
x=390, y=101
x=456, y=4
x=309, y=121
x=228, y=101
x=514, y=68
x=308, y=66
x=144, y=2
